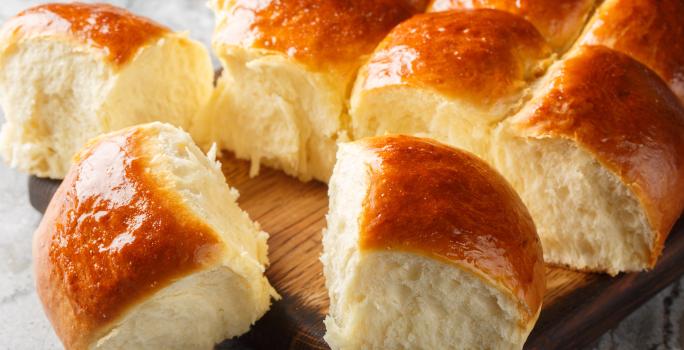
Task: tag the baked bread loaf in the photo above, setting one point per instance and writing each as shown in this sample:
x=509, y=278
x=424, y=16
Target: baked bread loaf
x=443, y=255
x=598, y=157
x=596, y=130
x=144, y=247
x=559, y=21
x=288, y=67
x=69, y=72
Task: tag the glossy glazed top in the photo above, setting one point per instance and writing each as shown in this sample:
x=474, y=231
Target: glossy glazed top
x=116, y=31
x=481, y=55
x=434, y=200
x=319, y=33
x=559, y=21
x=650, y=31
x=626, y=117
x=111, y=236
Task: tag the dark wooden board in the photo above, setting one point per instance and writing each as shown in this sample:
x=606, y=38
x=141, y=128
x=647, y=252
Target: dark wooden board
x=578, y=307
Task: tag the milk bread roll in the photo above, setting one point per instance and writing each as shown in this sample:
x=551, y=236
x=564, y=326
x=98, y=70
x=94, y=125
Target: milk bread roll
x=427, y=247
x=69, y=72
x=450, y=76
x=598, y=157
x=144, y=247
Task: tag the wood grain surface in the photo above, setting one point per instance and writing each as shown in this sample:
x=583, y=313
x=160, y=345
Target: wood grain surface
x=578, y=307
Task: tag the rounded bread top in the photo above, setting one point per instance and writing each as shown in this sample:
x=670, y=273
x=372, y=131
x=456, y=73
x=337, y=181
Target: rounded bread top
x=559, y=21
x=480, y=55
x=115, y=31
x=318, y=33
x=652, y=32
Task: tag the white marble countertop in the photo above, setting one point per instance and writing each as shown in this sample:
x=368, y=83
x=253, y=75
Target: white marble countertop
x=656, y=325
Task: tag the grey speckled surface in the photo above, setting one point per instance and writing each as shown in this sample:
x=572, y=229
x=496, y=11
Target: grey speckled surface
x=656, y=325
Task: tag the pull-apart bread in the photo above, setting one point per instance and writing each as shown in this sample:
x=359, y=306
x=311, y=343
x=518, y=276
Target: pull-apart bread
x=288, y=67
x=594, y=145
x=69, y=72
x=427, y=247
x=144, y=247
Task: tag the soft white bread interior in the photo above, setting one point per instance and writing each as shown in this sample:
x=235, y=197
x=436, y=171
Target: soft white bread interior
x=443, y=255
x=405, y=301
x=144, y=246
x=598, y=158
x=586, y=217
x=64, y=81
x=288, y=69
x=269, y=109
x=412, y=85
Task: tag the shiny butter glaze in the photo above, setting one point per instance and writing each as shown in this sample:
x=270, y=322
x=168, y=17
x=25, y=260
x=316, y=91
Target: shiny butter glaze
x=559, y=21
x=650, y=31
x=447, y=204
x=482, y=55
x=320, y=33
x=118, y=32
x=111, y=236
x=623, y=114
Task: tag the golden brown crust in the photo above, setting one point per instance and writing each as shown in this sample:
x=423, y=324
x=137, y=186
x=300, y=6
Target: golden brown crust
x=427, y=198
x=623, y=114
x=112, y=236
x=118, y=32
x=559, y=21
x=650, y=31
x=320, y=33
x=482, y=55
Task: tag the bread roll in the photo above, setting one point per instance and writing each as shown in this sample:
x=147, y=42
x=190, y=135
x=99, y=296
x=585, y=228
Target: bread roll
x=598, y=158
x=449, y=75
x=652, y=32
x=559, y=21
x=144, y=247
x=288, y=68
x=427, y=247
x=69, y=72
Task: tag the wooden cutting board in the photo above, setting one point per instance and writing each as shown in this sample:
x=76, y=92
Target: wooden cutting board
x=578, y=307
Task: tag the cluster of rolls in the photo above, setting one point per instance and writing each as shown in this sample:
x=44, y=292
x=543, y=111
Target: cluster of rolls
x=526, y=125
